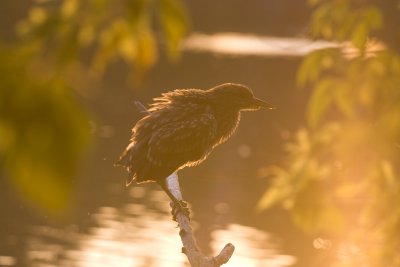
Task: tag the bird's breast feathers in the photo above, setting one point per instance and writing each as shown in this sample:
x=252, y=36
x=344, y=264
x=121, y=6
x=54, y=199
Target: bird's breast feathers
x=177, y=139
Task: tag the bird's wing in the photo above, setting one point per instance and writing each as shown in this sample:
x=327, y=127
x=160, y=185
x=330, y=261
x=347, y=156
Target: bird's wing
x=183, y=141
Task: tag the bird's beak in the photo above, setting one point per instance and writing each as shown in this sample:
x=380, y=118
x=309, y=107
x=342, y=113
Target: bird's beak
x=262, y=104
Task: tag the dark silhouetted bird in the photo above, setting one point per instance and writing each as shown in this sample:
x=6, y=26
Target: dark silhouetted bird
x=181, y=129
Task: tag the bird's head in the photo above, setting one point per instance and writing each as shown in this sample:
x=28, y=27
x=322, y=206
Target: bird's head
x=236, y=96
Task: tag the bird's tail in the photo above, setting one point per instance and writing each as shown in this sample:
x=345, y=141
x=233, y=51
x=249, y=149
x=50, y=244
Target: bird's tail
x=130, y=178
x=125, y=160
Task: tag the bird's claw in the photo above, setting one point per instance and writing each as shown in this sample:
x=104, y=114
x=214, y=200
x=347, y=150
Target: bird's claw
x=181, y=206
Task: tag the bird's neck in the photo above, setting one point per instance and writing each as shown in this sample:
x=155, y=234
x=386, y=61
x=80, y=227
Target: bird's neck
x=227, y=121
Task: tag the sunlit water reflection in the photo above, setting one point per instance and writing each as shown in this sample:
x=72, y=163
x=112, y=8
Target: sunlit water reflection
x=239, y=44
x=138, y=235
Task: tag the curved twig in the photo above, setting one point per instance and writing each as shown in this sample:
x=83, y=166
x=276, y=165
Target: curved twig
x=190, y=248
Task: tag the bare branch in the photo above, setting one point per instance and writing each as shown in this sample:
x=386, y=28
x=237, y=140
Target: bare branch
x=190, y=248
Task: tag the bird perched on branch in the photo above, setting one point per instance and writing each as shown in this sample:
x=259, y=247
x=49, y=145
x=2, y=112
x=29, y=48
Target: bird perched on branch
x=180, y=130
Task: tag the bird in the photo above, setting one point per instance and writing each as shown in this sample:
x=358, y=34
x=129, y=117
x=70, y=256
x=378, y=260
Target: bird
x=181, y=128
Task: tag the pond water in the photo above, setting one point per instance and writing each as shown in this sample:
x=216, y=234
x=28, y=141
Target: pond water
x=138, y=235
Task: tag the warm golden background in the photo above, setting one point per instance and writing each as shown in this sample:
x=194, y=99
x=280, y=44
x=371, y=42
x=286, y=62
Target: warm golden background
x=313, y=183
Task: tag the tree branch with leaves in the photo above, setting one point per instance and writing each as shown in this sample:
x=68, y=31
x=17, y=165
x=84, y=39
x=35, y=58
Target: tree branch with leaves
x=341, y=178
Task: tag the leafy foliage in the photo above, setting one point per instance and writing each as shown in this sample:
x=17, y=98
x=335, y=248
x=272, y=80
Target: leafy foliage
x=343, y=20
x=105, y=30
x=43, y=134
x=341, y=179
x=43, y=129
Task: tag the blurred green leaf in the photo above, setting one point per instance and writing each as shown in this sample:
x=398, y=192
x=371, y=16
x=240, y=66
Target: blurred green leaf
x=373, y=16
x=69, y=8
x=279, y=191
x=320, y=101
x=320, y=22
x=315, y=64
x=313, y=208
x=110, y=39
x=146, y=50
x=344, y=98
x=45, y=130
x=71, y=31
x=175, y=24
x=342, y=21
x=359, y=36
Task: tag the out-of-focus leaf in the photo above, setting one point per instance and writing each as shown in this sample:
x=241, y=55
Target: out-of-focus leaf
x=321, y=24
x=359, y=37
x=378, y=67
x=37, y=15
x=109, y=40
x=68, y=30
x=373, y=16
x=69, y=8
x=271, y=197
x=308, y=71
x=278, y=191
x=138, y=11
x=336, y=20
x=45, y=133
x=344, y=99
x=315, y=64
x=86, y=35
x=128, y=47
x=69, y=48
x=174, y=21
x=387, y=172
x=346, y=26
x=313, y=209
x=146, y=50
x=320, y=101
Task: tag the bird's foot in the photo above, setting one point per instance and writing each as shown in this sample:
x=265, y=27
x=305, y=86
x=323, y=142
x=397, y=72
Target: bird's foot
x=181, y=206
